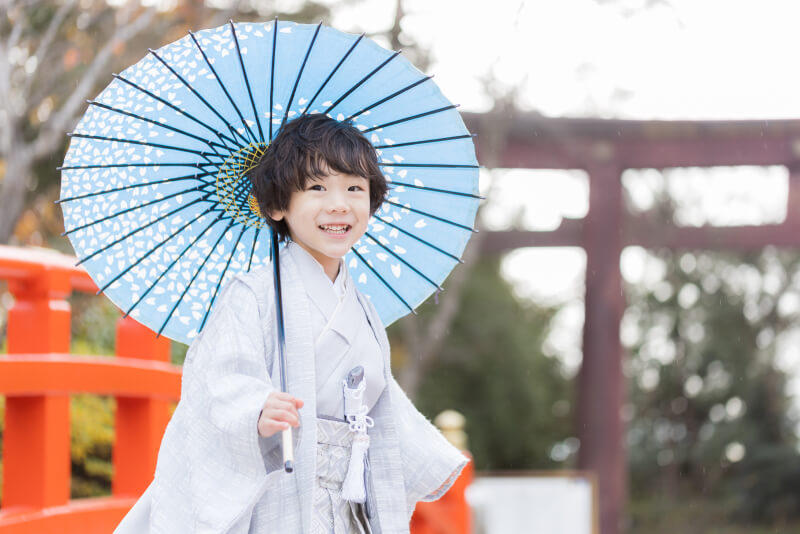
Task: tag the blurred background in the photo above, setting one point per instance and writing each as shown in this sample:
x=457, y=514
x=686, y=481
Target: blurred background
x=630, y=306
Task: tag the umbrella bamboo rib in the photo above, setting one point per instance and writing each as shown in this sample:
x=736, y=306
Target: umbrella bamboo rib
x=126, y=210
x=253, y=249
x=196, y=165
x=424, y=141
x=199, y=96
x=141, y=184
x=139, y=260
x=189, y=284
x=174, y=261
x=434, y=165
x=384, y=247
x=221, y=278
x=385, y=283
x=299, y=74
x=126, y=236
x=336, y=68
x=361, y=81
x=165, y=271
x=432, y=216
x=391, y=96
x=272, y=75
x=160, y=124
x=423, y=241
x=147, y=143
x=411, y=117
x=433, y=189
x=221, y=85
x=247, y=84
x=182, y=112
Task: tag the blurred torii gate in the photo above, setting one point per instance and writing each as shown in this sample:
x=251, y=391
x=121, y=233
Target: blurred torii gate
x=604, y=149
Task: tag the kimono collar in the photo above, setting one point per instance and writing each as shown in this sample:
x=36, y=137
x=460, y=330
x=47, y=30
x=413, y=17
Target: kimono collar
x=328, y=296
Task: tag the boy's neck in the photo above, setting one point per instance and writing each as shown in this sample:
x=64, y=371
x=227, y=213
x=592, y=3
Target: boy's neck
x=329, y=265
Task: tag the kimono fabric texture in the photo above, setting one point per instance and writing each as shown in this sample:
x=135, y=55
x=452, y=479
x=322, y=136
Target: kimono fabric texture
x=215, y=472
x=342, y=341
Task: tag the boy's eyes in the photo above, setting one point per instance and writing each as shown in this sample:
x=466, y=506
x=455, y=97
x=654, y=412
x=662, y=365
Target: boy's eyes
x=318, y=187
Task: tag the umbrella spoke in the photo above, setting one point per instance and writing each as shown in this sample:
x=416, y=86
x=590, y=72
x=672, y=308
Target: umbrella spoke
x=411, y=117
x=247, y=84
x=253, y=248
x=433, y=189
x=391, y=96
x=432, y=216
x=141, y=184
x=360, y=82
x=221, y=278
x=425, y=141
x=161, y=124
x=174, y=261
x=189, y=284
x=179, y=110
x=423, y=241
x=336, y=68
x=384, y=247
x=126, y=236
x=126, y=210
x=300, y=73
x=272, y=75
x=139, y=260
x=147, y=143
x=113, y=165
x=434, y=165
x=385, y=283
x=233, y=130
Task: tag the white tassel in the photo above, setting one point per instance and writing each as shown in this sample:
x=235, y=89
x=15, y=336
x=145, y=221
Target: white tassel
x=353, y=486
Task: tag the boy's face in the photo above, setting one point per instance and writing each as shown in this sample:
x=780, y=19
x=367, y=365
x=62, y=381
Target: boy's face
x=328, y=216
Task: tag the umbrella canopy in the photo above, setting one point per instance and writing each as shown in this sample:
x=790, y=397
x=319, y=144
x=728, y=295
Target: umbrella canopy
x=155, y=198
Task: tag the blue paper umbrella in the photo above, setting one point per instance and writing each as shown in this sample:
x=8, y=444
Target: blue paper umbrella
x=158, y=208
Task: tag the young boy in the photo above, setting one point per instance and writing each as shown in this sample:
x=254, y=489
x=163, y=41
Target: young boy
x=220, y=464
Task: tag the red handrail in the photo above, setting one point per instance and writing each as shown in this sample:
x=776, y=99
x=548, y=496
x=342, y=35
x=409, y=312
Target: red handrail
x=37, y=377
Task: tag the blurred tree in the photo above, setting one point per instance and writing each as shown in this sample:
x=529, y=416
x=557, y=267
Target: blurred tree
x=709, y=409
x=492, y=369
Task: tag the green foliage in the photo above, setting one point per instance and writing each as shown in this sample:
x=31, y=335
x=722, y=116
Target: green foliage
x=92, y=438
x=709, y=406
x=492, y=370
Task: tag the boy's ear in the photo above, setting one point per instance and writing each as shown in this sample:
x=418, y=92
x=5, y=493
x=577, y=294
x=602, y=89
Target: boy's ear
x=277, y=215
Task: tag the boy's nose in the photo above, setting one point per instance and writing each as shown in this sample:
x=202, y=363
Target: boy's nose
x=338, y=203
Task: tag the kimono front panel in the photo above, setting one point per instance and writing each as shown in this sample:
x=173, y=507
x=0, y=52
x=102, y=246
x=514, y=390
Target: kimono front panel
x=213, y=466
x=341, y=333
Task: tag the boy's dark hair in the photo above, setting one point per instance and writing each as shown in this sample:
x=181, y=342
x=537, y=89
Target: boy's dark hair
x=307, y=147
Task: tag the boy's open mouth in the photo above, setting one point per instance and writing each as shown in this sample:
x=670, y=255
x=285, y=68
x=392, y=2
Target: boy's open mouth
x=336, y=229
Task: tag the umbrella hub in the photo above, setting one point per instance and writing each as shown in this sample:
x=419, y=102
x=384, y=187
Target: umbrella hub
x=233, y=185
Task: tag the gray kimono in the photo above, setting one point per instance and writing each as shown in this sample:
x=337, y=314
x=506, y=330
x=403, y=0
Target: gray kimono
x=213, y=467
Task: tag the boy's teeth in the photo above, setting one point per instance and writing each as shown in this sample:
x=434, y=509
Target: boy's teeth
x=336, y=229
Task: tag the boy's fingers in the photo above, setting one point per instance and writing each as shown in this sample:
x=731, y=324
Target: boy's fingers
x=283, y=415
x=284, y=405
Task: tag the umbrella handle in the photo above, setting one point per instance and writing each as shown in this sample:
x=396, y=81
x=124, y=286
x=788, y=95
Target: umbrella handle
x=286, y=435
x=288, y=450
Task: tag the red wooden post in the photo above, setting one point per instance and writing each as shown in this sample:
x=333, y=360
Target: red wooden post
x=36, y=440
x=139, y=422
x=600, y=381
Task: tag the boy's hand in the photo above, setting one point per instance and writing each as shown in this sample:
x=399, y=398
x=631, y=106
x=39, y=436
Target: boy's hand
x=279, y=411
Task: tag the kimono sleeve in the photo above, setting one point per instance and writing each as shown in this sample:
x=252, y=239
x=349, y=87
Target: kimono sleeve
x=431, y=464
x=210, y=466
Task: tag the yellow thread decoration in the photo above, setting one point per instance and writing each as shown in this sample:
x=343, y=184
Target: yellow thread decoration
x=233, y=186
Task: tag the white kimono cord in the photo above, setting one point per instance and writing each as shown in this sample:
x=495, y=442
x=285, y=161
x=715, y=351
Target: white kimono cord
x=353, y=488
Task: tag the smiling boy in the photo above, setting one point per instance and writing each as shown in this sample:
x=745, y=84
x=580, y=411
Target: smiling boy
x=220, y=465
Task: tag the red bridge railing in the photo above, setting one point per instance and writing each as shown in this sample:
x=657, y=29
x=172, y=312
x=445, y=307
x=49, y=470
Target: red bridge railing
x=37, y=377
